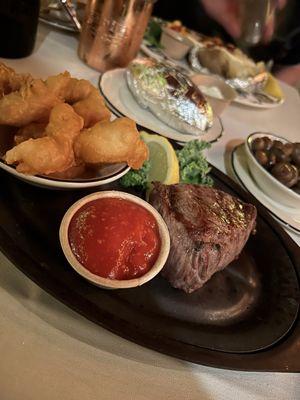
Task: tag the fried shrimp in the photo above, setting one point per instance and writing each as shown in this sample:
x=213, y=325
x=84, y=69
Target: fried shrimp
x=50, y=116
x=33, y=130
x=111, y=142
x=67, y=88
x=24, y=100
x=10, y=81
x=85, y=98
x=33, y=102
x=54, y=151
x=92, y=109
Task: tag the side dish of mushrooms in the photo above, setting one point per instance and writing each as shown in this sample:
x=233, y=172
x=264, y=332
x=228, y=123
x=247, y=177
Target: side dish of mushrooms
x=282, y=160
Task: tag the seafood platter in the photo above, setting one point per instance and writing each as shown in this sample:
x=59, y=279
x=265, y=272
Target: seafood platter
x=93, y=201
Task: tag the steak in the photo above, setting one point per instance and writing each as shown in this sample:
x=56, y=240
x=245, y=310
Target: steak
x=208, y=230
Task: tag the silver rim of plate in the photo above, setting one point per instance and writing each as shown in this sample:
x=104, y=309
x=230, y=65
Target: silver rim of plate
x=287, y=217
x=114, y=89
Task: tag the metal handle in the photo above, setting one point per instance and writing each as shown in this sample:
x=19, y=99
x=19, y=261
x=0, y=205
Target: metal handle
x=67, y=5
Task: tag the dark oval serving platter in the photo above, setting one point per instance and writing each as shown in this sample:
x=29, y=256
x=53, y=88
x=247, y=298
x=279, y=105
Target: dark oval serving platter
x=245, y=317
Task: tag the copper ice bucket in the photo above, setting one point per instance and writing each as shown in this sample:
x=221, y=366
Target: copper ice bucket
x=112, y=32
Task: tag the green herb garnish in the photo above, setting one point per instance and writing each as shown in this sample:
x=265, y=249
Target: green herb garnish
x=193, y=165
x=137, y=177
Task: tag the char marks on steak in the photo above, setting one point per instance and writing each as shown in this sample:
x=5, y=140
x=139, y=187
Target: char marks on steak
x=208, y=230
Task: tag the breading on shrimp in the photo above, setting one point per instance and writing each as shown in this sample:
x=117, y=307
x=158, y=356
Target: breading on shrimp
x=85, y=98
x=111, y=142
x=67, y=88
x=54, y=151
x=31, y=100
x=33, y=130
x=92, y=109
x=10, y=81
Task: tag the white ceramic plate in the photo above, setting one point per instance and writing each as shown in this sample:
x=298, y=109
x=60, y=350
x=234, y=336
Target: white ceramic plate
x=289, y=217
x=113, y=87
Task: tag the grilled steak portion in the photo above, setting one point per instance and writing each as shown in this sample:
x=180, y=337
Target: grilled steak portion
x=208, y=230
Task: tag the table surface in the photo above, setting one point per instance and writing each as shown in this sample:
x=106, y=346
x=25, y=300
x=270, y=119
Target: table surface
x=50, y=352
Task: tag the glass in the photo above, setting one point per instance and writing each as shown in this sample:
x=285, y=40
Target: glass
x=257, y=21
x=18, y=26
x=112, y=32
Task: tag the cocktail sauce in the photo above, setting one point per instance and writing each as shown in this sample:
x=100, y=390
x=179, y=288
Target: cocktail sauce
x=114, y=238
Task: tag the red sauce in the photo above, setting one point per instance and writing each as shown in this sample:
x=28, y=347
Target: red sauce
x=114, y=238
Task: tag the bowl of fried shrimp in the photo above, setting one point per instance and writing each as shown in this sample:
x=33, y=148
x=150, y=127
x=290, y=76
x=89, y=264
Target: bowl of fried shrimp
x=58, y=133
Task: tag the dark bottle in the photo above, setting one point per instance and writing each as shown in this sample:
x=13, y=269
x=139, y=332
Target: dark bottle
x=18, y=26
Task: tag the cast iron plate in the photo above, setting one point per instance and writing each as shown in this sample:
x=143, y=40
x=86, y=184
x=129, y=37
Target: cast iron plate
x=244, y=318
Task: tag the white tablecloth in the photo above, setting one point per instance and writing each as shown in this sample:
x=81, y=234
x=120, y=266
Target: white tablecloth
x=49, y=352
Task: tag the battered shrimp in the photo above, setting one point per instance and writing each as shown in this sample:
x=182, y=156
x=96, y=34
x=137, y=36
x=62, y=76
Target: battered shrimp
x=92, y=109
x=54, y=151
x=33, y=130
x=85, y=98
x=111, y=142
x=33, y=100
x=10, y=81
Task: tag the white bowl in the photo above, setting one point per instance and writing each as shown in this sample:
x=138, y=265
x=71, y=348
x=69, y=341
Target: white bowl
x=114, y=283
x=117, y=171
x=228, y=93
x=268, y=184
x=101, y=176
x=174, y=44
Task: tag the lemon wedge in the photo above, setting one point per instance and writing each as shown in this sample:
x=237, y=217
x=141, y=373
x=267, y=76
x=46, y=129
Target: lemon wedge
x=272, y=87
x=163, y=160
